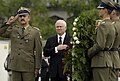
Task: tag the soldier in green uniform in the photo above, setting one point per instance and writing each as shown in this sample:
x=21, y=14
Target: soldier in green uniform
x=114, y=50
x=105, y=35
x=26, y=46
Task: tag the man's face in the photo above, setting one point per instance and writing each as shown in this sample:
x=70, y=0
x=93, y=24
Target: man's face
x=24, y=19
x=102, y=12
x=113, y=14
x=60, y=28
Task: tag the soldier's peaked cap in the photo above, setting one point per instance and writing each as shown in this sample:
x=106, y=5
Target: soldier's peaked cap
x=107, y=5
x=117, y=6
x=23, y=11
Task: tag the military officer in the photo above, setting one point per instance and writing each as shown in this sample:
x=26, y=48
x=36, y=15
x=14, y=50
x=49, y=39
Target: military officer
x=105, y=35
x=26, y=46
x=114, y=50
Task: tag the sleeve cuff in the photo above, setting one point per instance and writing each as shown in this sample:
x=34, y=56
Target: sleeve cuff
x=56, y=51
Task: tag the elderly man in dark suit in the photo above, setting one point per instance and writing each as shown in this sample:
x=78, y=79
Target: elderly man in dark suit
x=55, y=48
x=26, y=46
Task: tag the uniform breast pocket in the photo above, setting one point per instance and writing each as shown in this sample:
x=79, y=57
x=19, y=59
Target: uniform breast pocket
x=28, y=43
x=15, y=37
x=27, y=40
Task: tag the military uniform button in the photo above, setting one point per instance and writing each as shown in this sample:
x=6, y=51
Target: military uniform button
x=18, y=53
x=18, y=36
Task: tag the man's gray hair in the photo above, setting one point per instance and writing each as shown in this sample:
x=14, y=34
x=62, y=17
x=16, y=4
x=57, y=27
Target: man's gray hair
x=64, y=23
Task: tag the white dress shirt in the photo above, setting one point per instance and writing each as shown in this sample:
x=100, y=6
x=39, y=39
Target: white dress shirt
x=62, y=38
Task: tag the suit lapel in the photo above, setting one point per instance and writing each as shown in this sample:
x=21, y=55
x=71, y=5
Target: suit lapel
x=65, y=41
x=56, y=39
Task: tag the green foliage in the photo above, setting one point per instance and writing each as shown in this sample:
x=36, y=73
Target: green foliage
x=82, y=33
x=74, y=6
x=78, y=6
x=39, y=17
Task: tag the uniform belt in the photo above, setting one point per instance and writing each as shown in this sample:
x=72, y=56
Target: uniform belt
x=114, y=49
x=106, y=49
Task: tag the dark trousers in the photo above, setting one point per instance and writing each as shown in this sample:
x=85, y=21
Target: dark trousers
x=44, y=78
x=37, y=78
x=57, y=78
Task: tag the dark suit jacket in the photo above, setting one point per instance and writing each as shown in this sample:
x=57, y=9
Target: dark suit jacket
x=56, y=65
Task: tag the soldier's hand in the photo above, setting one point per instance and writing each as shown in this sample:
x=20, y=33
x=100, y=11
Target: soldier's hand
x=61, y=47
x=12, y=19
x=97, y=24
x=36, y=72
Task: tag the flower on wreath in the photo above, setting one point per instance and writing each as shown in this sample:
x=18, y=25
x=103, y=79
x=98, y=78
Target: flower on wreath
x=75, y=31
x=74, y=34
x=83, y=29
x=77, y=42
x=75, y=38
x=74, y=28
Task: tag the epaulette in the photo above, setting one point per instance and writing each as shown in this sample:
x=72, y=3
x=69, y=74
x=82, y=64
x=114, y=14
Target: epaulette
x=36, y=28
x=103, y=22
x=113, y=22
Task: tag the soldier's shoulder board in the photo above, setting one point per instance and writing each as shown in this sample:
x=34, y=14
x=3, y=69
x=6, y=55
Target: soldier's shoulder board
x=36, y=28
x=103, y=22
x=113, y=22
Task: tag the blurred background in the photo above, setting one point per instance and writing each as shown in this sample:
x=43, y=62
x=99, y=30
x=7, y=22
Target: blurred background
x=46, y=12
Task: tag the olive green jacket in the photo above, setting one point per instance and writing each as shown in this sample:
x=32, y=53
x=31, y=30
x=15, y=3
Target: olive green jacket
x=26, y=48
x=105, y=35
x=114, y=54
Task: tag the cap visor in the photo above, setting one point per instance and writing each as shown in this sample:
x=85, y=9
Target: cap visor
x=23, y=14
x=100, y=7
